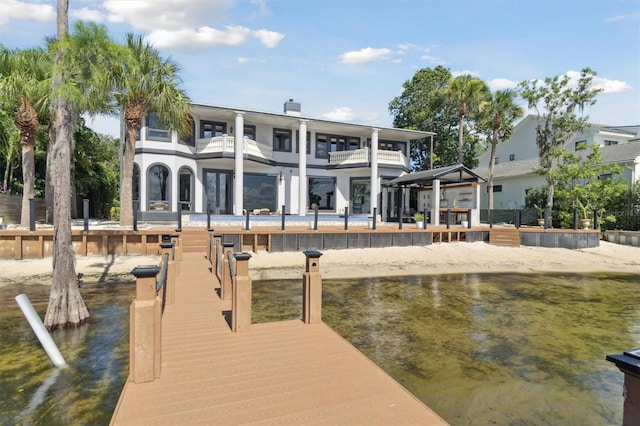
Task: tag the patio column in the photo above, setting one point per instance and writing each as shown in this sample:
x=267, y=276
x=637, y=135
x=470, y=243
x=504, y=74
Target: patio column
x=238, y=182
x=435, y=211
x=302, y=170
x=475, y=213
x=375, y=184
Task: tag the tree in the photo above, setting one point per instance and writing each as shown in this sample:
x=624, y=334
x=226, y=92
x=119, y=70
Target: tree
x=497, y=115
x=466, y=93
x=557, y=104
x=9, y=149
x=146, y=83
x=423, y=106
x=25, y=85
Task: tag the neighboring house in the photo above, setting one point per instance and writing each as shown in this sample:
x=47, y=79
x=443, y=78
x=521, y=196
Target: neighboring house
x=268, y=169
x=517, y=158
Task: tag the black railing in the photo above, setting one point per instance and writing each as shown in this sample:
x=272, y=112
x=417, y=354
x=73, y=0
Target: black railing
x=219, y=260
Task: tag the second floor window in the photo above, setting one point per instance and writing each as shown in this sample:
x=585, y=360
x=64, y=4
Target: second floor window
x=211, y=129
x=250, y=132
x=155, y=129
x=282, y=140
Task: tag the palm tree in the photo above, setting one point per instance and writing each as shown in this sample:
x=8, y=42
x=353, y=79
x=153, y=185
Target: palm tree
x=466, y=92
x=9, y=149
x=146, y=83
x=80, y=82
x=25, y=85
x=497, y=115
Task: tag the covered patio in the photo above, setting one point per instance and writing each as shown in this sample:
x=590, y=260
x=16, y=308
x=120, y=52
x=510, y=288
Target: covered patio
x=451, y=189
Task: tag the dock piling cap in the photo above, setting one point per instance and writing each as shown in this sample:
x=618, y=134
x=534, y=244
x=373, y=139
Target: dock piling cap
x=314, y=254
x=145, y=271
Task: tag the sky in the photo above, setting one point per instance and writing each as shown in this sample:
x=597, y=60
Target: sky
x=347, y=59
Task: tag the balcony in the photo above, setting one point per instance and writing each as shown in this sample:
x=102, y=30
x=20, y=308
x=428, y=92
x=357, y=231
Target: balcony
x=226, y=145
x=360, y=157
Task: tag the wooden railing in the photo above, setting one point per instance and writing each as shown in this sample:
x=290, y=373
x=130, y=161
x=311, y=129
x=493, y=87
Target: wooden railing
x=152, y=294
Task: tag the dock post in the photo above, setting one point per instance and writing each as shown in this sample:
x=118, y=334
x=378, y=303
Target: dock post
x=346, y=218
x=175, y=239
x=312, y=289
x=241, y=300
x=215, y=261
x=142, y=336
x=167, y=248
x=629, y=363
x=225, y=280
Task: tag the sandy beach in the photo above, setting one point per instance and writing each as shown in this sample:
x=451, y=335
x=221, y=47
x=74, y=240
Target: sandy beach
x=441, y=258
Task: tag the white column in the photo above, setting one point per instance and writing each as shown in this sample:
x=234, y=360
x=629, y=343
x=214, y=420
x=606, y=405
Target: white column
x=302, y=168
x=238, y=182
x=475, y=213
x=435, y=210
x=375, y=181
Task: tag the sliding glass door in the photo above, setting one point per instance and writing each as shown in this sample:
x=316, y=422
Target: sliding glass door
x=218, y=191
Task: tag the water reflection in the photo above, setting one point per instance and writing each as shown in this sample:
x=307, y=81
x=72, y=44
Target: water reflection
x=478, y=349
x=32, y=391
x=482, y=349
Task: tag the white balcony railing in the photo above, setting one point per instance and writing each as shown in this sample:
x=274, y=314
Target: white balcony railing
x=359, y=156
x=226, y=144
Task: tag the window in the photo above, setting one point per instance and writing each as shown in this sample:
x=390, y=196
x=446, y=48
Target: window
x=136, y=184
x=322, y=146
x=496, y=188
x=390, y=145
x=360, y=195
x=298, y=142
x=496, y=160
x=322, y=193
x=159, y=185
x=211, y=129
x=259, y=192
x=282, y=140
x=512, y=157
x=155, y=129
x=609, y=143
x=580, y=145
x=189, y=139
x=605, y=176
x=185, y=189
x=250, y=132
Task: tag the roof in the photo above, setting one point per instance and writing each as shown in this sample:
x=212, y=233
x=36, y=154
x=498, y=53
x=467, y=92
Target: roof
x=449, y=174
x=315, y=124
x=612, y=154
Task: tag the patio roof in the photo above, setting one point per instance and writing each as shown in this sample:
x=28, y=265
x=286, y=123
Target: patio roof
x=446, y=175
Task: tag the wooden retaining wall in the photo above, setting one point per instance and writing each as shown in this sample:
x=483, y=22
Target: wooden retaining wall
x=22, y=244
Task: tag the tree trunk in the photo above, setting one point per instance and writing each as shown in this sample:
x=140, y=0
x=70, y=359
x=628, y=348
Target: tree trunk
x=66, y=307
x=461, y=139
x=28, y=170
x=48, y=182
x=126, y=182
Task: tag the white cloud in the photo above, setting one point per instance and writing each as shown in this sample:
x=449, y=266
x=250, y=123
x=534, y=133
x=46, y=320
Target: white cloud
x=366, y=55
x=168, y=14
x=13, y=9
x=268, y=38
x=263, y=10
x=246, y=60
x=340, y=114
x=86, y=14
x=475, y=74
x=606, y=85
x=433, y=59
x=624, y=17
x=501, y=84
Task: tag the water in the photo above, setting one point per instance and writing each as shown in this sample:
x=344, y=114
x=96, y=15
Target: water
x=478, y=349
x=487, y=349
x=32, y=391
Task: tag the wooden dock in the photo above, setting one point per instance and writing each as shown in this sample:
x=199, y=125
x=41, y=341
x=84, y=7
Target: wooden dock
x=287, y=373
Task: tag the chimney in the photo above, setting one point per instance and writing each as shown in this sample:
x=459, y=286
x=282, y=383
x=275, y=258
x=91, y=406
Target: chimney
x=292, y=108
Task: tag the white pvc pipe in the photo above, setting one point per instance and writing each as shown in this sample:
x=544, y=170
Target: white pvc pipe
x=41, y=332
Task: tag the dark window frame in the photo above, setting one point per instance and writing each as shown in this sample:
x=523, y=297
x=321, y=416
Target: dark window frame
x=280, y=145
x=214, y=124
x=154, y=133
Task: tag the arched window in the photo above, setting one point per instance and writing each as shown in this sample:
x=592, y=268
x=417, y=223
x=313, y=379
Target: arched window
x=159, y=187
x=185, y=189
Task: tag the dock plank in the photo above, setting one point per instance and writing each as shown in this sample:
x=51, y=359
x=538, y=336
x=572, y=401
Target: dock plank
x=286, y=373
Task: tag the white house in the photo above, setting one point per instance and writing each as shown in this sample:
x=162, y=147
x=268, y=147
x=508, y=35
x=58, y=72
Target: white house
x=517, y=158
x=282, y=159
